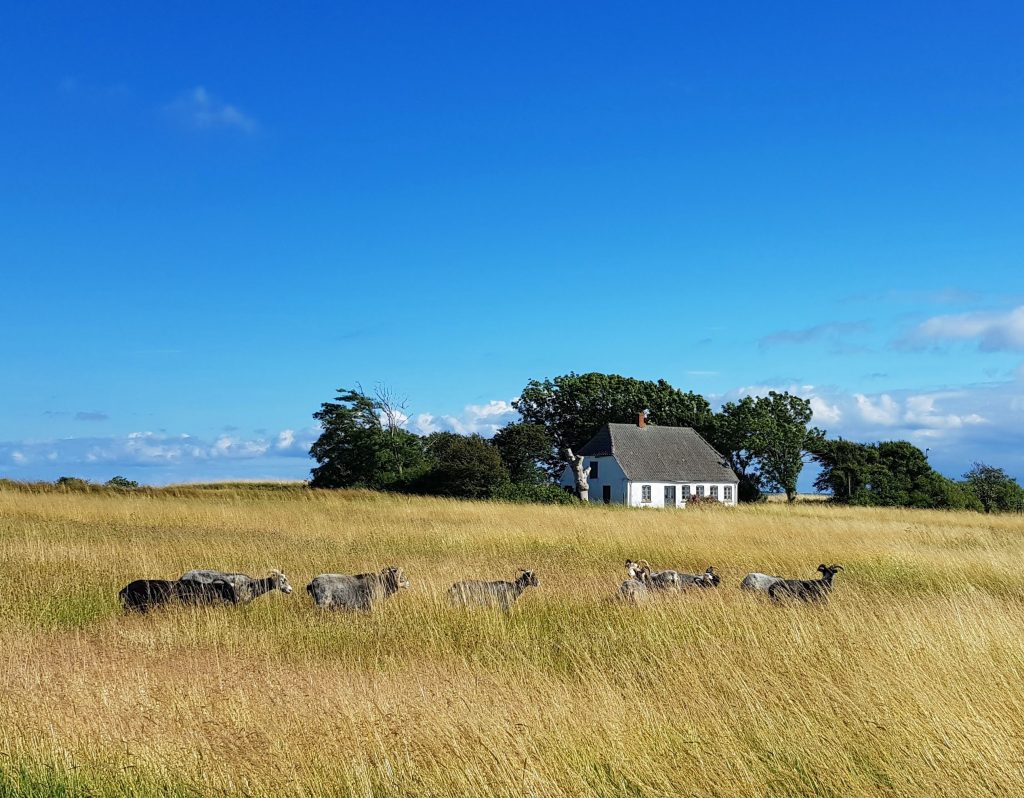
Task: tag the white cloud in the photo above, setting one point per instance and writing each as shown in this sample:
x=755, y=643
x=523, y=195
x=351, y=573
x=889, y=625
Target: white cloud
x=993, y=331
x=825, y=413
x=882, y=410
x=425, y=424
x=152, y=449
x=200, y=110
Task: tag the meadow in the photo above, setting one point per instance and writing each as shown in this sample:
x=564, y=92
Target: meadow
x=907, y=684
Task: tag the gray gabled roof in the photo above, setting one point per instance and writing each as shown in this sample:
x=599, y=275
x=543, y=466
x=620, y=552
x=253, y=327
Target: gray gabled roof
x=660, y=454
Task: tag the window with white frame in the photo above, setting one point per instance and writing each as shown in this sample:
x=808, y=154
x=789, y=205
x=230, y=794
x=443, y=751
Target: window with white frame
x=727, y=493
x=700, y=491
x=686, y=492
x=645, y=493
x=714, y=491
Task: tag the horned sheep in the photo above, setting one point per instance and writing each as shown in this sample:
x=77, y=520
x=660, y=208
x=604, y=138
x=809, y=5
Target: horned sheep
x=812, y=590
x=357, y=592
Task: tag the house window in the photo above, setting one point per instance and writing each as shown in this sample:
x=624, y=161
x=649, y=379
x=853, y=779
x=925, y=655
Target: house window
x=686, y=492
x=593, y=469
x=714, y=491
x=645, y=493
x=728, y=493
x=700, y=491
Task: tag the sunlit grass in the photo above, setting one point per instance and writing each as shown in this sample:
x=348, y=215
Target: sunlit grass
x=906, y=684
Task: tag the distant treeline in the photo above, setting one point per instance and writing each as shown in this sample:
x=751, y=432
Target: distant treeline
x=767, y=441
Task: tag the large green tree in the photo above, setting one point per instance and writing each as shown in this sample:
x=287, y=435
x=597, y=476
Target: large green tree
x=886, y=474
x=782, y=439
x=361, y=443
x=524, y=448
x=573, y=407
x=766, y=439
x=994, y=488
x=734, y=436
x=464, y=466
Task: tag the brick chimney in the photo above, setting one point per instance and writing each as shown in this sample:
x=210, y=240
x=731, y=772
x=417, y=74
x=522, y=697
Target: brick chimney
x=641, y=420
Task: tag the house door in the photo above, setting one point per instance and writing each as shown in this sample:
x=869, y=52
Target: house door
x=606, y=493
x=670, y=495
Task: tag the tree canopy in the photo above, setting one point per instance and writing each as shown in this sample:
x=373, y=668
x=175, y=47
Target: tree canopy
x=524, y=449
x=356, y=449
x=994, y=489
x=886, y=474
x=573, y=407
x=765, y=439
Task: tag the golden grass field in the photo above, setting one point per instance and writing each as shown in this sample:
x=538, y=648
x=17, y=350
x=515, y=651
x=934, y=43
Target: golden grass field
x=908, y=683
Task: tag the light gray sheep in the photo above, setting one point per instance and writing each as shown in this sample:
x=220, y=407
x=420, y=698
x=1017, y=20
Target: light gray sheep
x=634, y=589
x=246, y=587
x=358, y=592
x=674, y=581
x=491, y=594
x=759, y=582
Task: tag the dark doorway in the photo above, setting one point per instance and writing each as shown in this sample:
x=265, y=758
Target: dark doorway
x=606, y=493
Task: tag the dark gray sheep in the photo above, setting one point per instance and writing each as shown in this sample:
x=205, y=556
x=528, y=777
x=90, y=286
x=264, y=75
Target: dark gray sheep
x=356, y=592
x=143, y=595
x=491, y=594
x=246, y=587
x=814, y=590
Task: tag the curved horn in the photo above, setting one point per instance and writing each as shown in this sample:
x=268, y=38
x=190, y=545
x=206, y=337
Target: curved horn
x=644, y=563
x=838, y=568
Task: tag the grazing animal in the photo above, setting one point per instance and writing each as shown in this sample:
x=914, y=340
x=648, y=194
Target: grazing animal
x=673, y=581
x=358, y=592
x=247, y=588
x=491, y=594
x=634, y=590
x=142, y=595
x=759, y=582
x=815, y=590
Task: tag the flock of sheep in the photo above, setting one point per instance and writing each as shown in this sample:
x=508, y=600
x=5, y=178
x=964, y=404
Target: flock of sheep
x=643, y=581
x=363, y=591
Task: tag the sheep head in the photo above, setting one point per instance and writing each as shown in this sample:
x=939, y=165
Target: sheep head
x=394, y=575
x=281, y=581
x=528, y=578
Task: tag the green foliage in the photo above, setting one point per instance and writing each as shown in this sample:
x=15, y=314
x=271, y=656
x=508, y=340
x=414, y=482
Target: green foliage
x=524, y=493
x=765, y=439
x=733, y=435
x=994, y=489
x=523, y=449
x=121, y=482
x=72, y=483
x=573, y=407
x=886, y=474
x=355, y=448
x=464, y=466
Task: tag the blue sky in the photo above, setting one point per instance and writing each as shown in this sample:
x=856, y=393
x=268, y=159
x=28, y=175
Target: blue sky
x=211, y=219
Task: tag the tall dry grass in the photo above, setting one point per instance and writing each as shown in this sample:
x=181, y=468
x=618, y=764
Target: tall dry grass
x=908, y=683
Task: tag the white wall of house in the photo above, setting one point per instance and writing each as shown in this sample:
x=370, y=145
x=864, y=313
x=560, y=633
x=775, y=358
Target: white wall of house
x=622, y=491
x=636, y=492
x=609, y=474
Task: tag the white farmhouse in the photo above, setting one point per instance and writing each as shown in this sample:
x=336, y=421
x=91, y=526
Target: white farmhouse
x=650, y=466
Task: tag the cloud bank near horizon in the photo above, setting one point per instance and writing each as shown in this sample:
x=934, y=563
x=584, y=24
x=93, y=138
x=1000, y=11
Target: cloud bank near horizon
x=956, y=426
